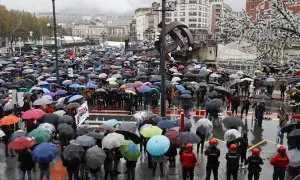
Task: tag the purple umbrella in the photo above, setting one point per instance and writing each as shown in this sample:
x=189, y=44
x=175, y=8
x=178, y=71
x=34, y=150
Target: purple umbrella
x=52, y=94
x=61, y=92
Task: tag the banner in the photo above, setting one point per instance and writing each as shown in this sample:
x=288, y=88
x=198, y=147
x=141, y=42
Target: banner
x=82, y=114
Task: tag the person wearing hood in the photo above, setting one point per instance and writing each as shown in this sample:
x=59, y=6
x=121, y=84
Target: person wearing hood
x=189, y=161
x=280, y=162
x=254, y=162
x=213, y=154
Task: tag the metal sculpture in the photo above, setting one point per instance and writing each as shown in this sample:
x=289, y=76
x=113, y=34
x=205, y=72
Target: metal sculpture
x=177, y=31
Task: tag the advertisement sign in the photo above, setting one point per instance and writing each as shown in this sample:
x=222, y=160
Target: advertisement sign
x=82, y=114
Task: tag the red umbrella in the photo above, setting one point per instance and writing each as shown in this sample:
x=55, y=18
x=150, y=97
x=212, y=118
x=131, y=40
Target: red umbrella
x=138, y=84
x=33, y=114
x=180, y=67
x=212, y=69
x=22, y=143
x=173, y=136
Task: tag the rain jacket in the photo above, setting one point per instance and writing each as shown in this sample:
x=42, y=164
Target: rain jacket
x=188, y=159
x=280, y=161
x=254, y=163
x=213, y=154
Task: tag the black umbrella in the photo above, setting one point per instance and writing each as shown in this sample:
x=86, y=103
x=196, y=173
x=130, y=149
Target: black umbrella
x=95, y=135
x=187, y=123
x=215, y=104
x=50, y=118
x=82, y=131
x=294, y=133
x=186, y=96
x=65, y=129
x=232, y=122
x=129, y=131
x=155, y=118
x=73, y=152
x=290, y=128
x=67, y=119
x=189, y=137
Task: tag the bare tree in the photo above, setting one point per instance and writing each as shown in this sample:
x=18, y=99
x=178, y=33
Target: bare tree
x=270, y=32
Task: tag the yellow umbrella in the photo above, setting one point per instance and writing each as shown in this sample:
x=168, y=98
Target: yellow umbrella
x=113, y=83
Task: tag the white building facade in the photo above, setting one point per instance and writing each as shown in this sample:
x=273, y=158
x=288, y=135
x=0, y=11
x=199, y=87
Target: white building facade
x=193, y=13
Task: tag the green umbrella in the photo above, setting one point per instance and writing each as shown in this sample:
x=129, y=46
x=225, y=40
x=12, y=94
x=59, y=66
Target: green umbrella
x=39, y=135
x=129, y=150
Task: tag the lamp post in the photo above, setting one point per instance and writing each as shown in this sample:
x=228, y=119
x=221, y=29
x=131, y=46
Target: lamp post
x=55, y=42
x=162, y=67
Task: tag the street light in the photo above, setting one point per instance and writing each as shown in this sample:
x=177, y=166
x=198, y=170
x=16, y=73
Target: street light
x=55, y=42
x=170, y=7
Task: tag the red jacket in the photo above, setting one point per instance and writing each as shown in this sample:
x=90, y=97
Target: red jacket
x=280, y=161
x=188, y=159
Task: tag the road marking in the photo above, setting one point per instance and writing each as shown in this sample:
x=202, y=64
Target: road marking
x=274, y=142
x=257, y=144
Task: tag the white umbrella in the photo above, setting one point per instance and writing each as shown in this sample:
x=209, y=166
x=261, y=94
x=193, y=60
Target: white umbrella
x=47, y=97
x=177, y=74
x=111, y=79
x=41, y=102
x=204, y=124
x=47, y=127
x=2, y=134
x=235, y=76
x=60, y=112
x=247, y=79
x=176, y=79
x=117, y=76
x=240, y=72
x=112, y=140
x=102, y=75
x=231, y=135
x=294, y=156
x=214, y=75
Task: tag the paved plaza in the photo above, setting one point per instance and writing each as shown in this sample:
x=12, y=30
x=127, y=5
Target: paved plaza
x=263, y=138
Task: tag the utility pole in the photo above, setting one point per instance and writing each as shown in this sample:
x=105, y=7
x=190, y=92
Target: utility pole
x=163, y=60
x=55, y=42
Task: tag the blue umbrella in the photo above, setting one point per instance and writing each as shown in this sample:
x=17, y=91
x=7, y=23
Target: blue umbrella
x=111, y=122
x=158, y=145
x=51, y=79
x=166, y=124
x=44, y=152
x=144, y=89
x=45, y=90
x=74, y=98
x=180, y=87
x=75, y=86
x=92, y=86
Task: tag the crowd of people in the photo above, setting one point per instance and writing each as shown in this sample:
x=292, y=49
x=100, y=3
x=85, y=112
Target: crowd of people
x=43, y=109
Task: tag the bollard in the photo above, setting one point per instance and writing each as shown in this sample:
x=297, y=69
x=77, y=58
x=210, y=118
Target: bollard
x=181, y=122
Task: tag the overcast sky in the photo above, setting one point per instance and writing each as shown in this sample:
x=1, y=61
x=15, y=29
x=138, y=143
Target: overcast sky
x=85, y=6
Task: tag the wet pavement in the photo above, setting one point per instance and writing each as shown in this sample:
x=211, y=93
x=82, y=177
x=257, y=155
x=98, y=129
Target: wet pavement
x=264, y=138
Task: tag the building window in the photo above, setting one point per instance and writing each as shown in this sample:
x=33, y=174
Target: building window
x=182, y=7
x=168, y=14
x=175, y=19
x=199, y=20
x=193, y=1
x=175, y=13
x=200, y=14
x=182, y=13
x=252, y=7
x=182, y=1
x=192, y=19
x=192, y=25
x=218, y=10
x=192, y=7
x=200, y=8
x=192, y=13
x=182, y=19
x=168, y=20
